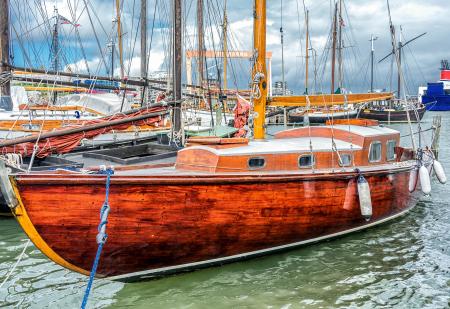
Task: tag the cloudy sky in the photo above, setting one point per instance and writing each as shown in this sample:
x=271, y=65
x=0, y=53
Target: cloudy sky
x=32, y=24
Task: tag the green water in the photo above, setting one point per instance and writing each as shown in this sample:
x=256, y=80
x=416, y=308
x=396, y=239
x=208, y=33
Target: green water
x=403, y=264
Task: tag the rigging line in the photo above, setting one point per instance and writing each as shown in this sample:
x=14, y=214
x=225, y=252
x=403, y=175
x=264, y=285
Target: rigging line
x=417, y=63
x=43, y=31
x=96, y=37
x=77, y=32
x=75, y=28
x=234, y=44
x=352, y=32
x=19, y=40
x=44, y=15
x=32, y=29
x=96, y=16
x=164, y=38
x=23, y=29
x=151, y=37
x=133, y=43
x=208, y=6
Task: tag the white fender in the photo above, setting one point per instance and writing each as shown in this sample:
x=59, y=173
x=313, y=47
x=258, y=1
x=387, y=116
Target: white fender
x=425, y=183
x=413, y=177
x=365, y=200
x=439, y=171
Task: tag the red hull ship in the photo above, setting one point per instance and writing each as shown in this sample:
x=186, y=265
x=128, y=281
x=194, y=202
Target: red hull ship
x=207, y=210
x=224, y=199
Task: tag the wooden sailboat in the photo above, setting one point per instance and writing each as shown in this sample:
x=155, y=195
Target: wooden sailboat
x=224, y=199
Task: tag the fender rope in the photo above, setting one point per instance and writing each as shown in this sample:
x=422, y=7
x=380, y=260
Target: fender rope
x=101, y=236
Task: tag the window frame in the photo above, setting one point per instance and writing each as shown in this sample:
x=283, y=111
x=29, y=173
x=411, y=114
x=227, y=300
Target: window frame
x=313, y=160
x=381, y=151
x=346, y=154
x=387, y=149
x=256, y=167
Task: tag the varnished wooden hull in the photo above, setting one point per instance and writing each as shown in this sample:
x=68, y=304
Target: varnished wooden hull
x=159, y=225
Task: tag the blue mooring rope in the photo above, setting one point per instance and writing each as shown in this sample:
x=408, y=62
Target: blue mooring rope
x=101, y=236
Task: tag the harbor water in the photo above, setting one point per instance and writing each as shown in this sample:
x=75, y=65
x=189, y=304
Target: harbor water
x=401, y=264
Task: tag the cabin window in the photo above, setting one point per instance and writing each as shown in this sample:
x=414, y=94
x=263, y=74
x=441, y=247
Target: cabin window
x=255, y=163
x=346, y=159
x=375, y=152
x=306, y=161
x=390, y=151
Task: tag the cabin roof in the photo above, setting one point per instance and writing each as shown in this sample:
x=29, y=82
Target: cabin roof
x=277, y=146
x=365, y=131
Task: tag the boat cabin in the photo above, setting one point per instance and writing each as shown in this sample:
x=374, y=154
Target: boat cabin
x=305, y=148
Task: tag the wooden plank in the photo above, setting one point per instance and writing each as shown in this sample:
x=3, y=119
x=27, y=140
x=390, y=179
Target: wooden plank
x=324, y=100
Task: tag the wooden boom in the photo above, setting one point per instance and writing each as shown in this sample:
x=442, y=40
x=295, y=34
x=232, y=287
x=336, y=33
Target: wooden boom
x=323, y=100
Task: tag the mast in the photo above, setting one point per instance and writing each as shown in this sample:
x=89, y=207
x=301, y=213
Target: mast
x=372, y=56
x=112, y=45
x=200, y=42
x=119, y=34
x=177, y=62
x=225, y=47
x=307, y=51
x=55, y=49
x=55, y=42
x=282, y=51
x=143, y=47
x=143, y=39
x=259, y=68
x=340, y=48
x=399, y=67
x=5, y=89
x=333, y=50
x=400, y=47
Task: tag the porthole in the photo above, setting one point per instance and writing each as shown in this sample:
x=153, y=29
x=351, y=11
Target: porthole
x=255, y=163
x=306, y=161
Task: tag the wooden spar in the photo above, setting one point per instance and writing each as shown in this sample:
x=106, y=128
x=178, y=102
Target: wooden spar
x=177, y=63
x=322, y=100
x=143, y=49
x=333, y=50
x=340, y=49
x=131, y=82
x=143, y=39
x=307, y=51
x=259, y=69
x=56, y=83
x=44, y=135
x=5, y=90
x=119, y=35
x=200, y=43
x=225, y=47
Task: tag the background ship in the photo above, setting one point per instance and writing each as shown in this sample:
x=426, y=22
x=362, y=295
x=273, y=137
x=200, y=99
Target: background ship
x=436, y=96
